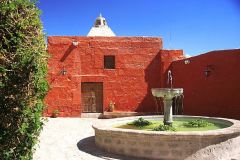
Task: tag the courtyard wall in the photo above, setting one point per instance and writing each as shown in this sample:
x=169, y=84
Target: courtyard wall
x=216, y=94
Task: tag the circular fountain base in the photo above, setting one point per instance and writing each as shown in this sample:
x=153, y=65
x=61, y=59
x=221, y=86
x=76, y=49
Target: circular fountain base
x=159, y=144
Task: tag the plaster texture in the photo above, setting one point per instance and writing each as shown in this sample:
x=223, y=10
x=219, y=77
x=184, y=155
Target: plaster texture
x=138, y=68
x=216, y=94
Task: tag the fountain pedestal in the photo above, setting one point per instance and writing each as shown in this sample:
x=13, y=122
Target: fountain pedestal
x=167, y=94
x=167, y=112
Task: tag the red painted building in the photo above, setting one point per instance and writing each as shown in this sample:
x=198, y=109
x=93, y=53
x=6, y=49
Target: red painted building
x=88, y=74
x=100, y=70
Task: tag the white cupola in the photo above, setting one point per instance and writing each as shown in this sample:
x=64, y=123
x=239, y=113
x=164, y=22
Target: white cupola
x=101, y=28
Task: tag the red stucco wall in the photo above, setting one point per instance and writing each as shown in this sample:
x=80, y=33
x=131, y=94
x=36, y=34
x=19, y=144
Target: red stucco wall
x=138, y=69
x=215, y=95
x=141, y=64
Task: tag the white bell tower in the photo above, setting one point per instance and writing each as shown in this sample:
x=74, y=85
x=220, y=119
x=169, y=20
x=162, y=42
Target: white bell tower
x=101, y=28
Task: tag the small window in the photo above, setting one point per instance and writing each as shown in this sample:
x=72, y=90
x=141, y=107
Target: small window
x=109, y=62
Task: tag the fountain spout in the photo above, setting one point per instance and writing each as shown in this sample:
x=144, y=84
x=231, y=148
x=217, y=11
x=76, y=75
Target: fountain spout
x=169, y=78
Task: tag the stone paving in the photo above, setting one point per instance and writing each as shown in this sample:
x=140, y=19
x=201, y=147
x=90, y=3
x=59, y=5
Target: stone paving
x=73, y=139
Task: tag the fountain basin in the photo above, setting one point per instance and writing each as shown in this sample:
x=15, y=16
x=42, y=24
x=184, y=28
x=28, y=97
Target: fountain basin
x=168, y=93
x=160, y=144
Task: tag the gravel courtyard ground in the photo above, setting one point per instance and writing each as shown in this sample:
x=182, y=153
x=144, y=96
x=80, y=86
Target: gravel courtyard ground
x=73, y=139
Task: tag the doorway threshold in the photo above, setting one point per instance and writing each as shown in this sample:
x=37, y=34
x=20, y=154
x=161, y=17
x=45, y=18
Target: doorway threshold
x=91, y=115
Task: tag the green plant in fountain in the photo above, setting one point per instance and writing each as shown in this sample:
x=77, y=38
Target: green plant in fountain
x=140, y=122
x=198, y=123
x=163, y=127
x=23, y=68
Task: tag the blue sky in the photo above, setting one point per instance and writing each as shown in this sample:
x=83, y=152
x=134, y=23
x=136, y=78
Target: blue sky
x=196, y=26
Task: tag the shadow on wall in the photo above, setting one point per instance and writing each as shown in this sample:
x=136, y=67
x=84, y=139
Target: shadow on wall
x=68, y=51
x=88, y=145
x=59, y=97
x=155, y=77
x=153, y=80
x=61, y=72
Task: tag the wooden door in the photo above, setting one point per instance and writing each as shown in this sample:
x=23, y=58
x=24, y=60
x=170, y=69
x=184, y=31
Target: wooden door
x=92, y=96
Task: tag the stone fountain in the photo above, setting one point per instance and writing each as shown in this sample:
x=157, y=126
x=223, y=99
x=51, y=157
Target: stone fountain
x=167, y=94
x=161, y=144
